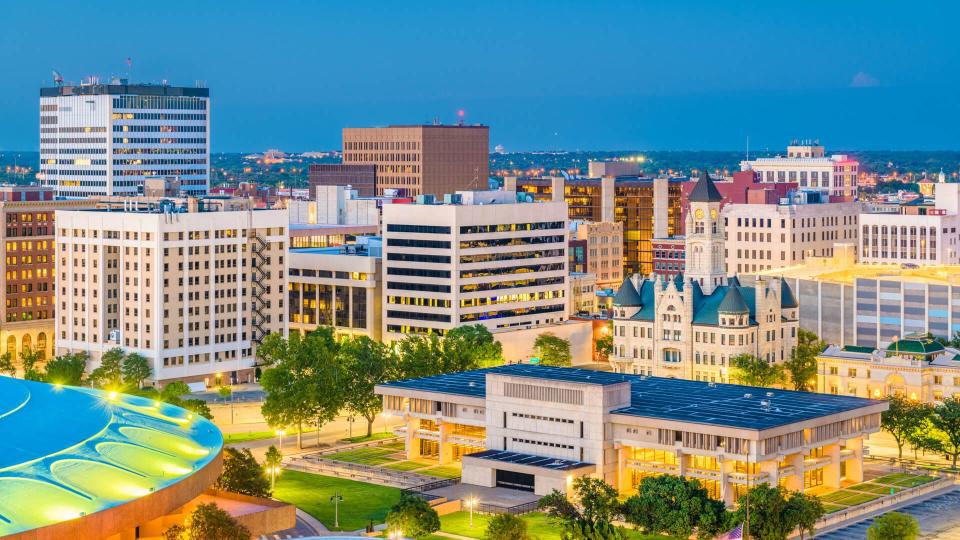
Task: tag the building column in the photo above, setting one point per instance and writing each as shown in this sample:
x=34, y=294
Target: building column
x=726, y=489
x=795, y=481
x=772, y=469
x=831, y=471
x=855, y=465
x=623, y=473
x=446, y=449
x=412, y=443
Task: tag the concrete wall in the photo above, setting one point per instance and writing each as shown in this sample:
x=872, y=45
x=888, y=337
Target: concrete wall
x=518, y=344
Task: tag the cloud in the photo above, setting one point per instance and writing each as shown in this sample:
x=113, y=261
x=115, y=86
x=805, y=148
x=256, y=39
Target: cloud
x=863, y=80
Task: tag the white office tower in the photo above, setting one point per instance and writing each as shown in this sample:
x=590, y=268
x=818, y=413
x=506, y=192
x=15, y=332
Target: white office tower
x=106, y=139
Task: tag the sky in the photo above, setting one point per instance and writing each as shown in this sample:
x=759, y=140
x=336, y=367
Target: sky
x=550, y=75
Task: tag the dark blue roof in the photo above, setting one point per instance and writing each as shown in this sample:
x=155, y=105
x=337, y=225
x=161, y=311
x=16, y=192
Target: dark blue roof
x=705, y=190
x=787, y=299
x=627, y=295
x=671, y=399
x=555, y=464
x=733, y=302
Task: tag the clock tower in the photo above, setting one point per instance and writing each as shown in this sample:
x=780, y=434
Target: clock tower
x=706, y=261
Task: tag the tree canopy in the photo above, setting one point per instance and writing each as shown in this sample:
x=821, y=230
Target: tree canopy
x=894, y=526
x=242, y=474
x=206, y=522
x=593, y=514
x=802, y=364
x=675, y=506
x=506, y=527
x=414, y=516
x=946, y=418
x=552, y=350
x=67, y=369
x=903, y=419
x=753, y=371
x=366, y=364
x=775, y=512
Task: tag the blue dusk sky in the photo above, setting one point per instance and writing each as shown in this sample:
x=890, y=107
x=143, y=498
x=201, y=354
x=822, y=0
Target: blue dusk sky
x=544, y=75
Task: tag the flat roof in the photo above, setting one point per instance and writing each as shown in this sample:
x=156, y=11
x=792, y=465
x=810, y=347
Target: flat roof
x=124, y=89
x=555, y=464
x=681, y=400
x=828, y=271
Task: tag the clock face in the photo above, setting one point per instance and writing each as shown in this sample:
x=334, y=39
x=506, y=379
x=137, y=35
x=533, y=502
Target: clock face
x=698, y=214
x=713, y=214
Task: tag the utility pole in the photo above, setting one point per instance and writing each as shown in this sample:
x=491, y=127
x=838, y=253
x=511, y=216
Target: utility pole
x=336, y=498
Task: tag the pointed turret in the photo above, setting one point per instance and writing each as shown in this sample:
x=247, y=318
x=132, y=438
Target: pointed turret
x=705, y=190
x=627, y=296
x=733, y=302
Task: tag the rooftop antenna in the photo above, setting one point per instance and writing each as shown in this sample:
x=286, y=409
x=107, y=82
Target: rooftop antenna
x=129, y=68
x=748, y=148
x=57, y=78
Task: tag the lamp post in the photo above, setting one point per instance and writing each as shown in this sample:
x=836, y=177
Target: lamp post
x=471, y=503
x=335, y=499
x=396, y=534
x=280, y=433
x=274, y=471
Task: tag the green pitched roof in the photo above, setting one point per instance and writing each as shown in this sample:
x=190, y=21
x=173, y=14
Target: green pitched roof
x=627, y=295
x=733, y=302
x=924, y=344
x=705, y=191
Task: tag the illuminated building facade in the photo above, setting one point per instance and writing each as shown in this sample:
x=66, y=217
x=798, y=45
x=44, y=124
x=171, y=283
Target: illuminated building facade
x=807, y=165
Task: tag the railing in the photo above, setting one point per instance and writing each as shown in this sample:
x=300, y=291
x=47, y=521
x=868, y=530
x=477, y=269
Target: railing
x=652, y=466
x=525, y=508
x=746, y=478
x=422, y=489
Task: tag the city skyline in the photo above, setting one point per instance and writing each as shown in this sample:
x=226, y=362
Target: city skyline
x=616, y=76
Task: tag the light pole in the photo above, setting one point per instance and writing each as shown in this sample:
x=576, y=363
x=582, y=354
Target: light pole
x=280, y=434
x=336, y=498
x=274, y=471
x=396, y=534
x=471, y=504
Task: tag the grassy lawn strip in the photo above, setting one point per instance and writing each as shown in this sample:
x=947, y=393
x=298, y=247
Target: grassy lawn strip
x=373, y=437
x=915, y=481
x=247, y=436
x=405, y=465
x=442, y=471
x=831, y=508
x=362, y=502
x=848, y=498
x=538, y=525
x=365, y=456
x=871, y=487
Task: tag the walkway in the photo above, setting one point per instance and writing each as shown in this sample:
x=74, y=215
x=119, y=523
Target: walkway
x=939, y=519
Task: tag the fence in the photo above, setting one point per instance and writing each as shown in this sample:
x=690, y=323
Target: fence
x=520, y=509
x=847, y=516
x=422, y=489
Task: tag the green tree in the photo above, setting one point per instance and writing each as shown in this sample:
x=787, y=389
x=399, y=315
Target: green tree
x=552, y=350
x=955, y=340
x=366, y=363
x=946, y=418
x=134, y=369
x=173, y=394
x=506, y=527
x=110, y=372
x=775, y=512
x=225, y=392
x=196, y=406
x=30, y=360
x=802, y=365
x=413, y=516
x=271, y=464
x=593, y=514
x=903, y=419
x=242, y=474
x=477, y=340
x=6, y=364
x=675, y=506
x=174, y=391
x=894, y=526
x=604, y=343
x=207, y=522
x=804, y=510
x=428, y=355
x=753, y=371
x=67, y=369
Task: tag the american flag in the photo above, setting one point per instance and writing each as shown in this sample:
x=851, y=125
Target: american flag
x=735, y=534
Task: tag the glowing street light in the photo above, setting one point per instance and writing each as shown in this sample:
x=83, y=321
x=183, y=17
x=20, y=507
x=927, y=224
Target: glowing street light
x=280, y=434
x=471, y=503
x=396, y=534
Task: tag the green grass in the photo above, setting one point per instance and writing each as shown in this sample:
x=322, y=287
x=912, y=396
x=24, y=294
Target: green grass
x=442, y=471
x=365, y=456
x=373, y=437
x=247, y=436
x=915, y=481
x=871, y=487
x=405, y=465
x=538, y=525
x=831, y=508
x=848, y=498
x=362, y=502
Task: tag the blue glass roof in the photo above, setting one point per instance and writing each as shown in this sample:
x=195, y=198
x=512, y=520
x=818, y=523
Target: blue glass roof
x=555, y=464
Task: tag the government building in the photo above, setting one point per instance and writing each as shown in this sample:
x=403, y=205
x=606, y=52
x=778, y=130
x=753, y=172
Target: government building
x=690, y=326
x=536, y=428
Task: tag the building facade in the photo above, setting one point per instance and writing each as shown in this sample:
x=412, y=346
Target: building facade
x=603, y=249
x=536, y=428
x=690, y=326
x=807, y=165
x=783, y=233
x=918, y=233
x=192, y=285
x=669, y=256
x=484, y=258
x=106, y=139
x=338, y=287
x=422, y=160
x=362, y=178
x=583, y=293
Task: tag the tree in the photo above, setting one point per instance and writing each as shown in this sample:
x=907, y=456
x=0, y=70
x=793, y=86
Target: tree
x=196, y=406
x=506, y=527
x=753, y=371
x=208, y=522
x=413, y=516
x=242, y=474
x=802, y=365
x=775, y=512
x=67, y=369
x=271, y=463
x=955, y=340
x=592, y=517
x=109, y=374
x=366, y=363
x=6, y=364
x=946, y=418
x=428, y=355
x=894, y=526
x=477, y=340
x=173, y=394
x=225, y=392
x=552, y=350
x=903, y=419
x=604, y=343
x=134, y=369
x=804, y=510
x=675, y=506
x=29, y=359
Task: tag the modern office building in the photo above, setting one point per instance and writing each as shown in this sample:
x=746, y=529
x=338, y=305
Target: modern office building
x=775, y=232
x=191, y=284
x=917, y=367
x=483, y=257
x=338, y=287
x=337, y=205
x=106, y=139
x=599, y=169
x=871, y=305
x=536, y=428
x=603, y=249
x=362, y=178
x=807, y=165
x=424, y=159
x=690, y=326
x=919, y=233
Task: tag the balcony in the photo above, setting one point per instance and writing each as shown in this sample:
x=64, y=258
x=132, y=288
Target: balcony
x=847, y=454
x=813, y=463
x=749, y=479
x=467, y=440
x=652, y=466
x=786, y=471
x=708, y=474
x=427, y=435
x=400, y=431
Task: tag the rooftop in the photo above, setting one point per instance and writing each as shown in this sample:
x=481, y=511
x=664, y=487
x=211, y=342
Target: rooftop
x=124, y=89
x=831, y=272
x=727, y=405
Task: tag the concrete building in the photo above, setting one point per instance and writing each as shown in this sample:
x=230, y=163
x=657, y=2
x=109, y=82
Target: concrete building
x=336, y=205
x=869, y=305
x=919, y=233
x=690, y=327
x=807, y=165
x=481, y=258
x=583, y=293
x=362, y=178
x=770, y=232
x=603, y=249
x=917, y=367
x=600, y=169
x=669, y=256
x=338, y=287
x=106, y=139
x=424, y=159
x=191, y=284
x=535, y=428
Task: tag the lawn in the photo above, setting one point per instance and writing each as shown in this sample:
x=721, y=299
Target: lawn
x=362, y=502
x=376, y=455
x=538, y=525
x=871, y=487
x=443, y=471
x=905, y=480
x=373, y=437
x=232, y=438
x=848, y=498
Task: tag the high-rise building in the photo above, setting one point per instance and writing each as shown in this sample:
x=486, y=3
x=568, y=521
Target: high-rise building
x=807, y=164
x=192, y=284
x=424, y=159
x=484, y=258
x=106, y=139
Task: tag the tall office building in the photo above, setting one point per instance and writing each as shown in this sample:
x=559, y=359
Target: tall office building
x=192, y=284
x=482, y=259
x=106, y=139
x=422, y=160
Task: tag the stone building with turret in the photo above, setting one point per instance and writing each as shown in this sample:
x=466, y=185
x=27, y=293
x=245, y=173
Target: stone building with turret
x=690, y=326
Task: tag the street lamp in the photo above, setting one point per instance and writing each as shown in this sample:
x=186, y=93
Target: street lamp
x=274, y=471
x=335, y=499
x=396, y=534
x=471, y=503
x=280, y=433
